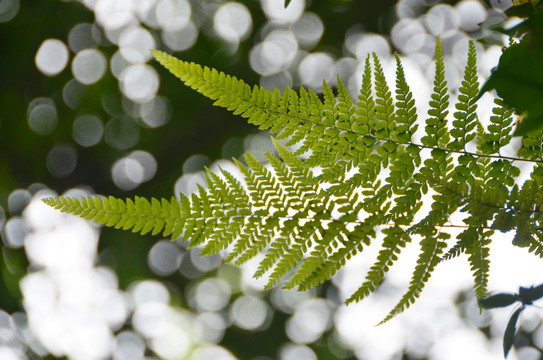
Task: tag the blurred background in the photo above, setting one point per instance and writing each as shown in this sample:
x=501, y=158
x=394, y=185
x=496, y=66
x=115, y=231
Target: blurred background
x=84, y=110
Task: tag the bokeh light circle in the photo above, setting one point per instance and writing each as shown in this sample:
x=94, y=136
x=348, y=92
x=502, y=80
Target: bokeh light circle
x=441, y=19
x=179, y=34
x=14, y=232
x=39, y=216
x=314, y=68
x=309, y=321
x=249, y=313
x=128, y=346
x=87, y=130
x=471, y=14
x=204, y=263
x=145, y=11
x=308, y=30
x=135, y=43
x=117, y=64
x=188, y=184
x=113, y=15
x=122, y=133
x=277, y=81
x=8, y=9
x=147, y=161
x=89, y=66
x=72, y=93
x=164, y=258
x=233, y=22
x=139, y=82
x=296, y=352
x=156, y=112
x=361, y=45
x=127, y=174
x=212, y=294
x=275, y=53
x=149, y=291
x=18, y=200
x=275, y=10
x=174, y=340
x=42, y=116
x=288, y=300
x=195, y=163
x=215, y=326
x=166, y=10
x=61, y=161
x=52, y=57
x=408, y=35
x=81, y=37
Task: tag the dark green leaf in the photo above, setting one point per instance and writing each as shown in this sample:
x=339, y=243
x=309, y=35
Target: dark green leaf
x=518, y=80
x=529, y=295
x=287, y=2
x=510, y=330
x=498, y=300
x=533, y=122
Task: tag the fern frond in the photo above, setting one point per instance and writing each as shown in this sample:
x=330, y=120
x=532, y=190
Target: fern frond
x=431, y=249
x=437, y=135
x=372, y=177
x=139, y=215
x=365, y=107
x=396, y=239
x=282, y=212
x=477, y=241
x=454, y=251
x=406, y=111
x=384, y=109
x=499, y=131
x=466, y=116
x=531, y=146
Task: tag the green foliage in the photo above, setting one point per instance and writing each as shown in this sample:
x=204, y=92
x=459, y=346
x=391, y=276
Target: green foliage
x=518, y=78
x=372, y=179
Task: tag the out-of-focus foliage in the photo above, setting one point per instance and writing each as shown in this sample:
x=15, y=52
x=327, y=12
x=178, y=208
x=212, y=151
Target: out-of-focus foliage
x=98, y=118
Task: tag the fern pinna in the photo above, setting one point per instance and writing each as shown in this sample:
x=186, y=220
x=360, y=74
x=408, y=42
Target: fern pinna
x=309, y=223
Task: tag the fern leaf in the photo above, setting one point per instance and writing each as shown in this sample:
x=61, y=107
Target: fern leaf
x=431, y=249
x=466, y=116
x=406, y=112
x=477, y=242
x=345, y=107
x=138, y=215
x=499, y=130
x=384, y=109
x=396, y=239
x=531, y=147
x=437, y=135
x=454, y=251
x=266, y=109
x=365, y=108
